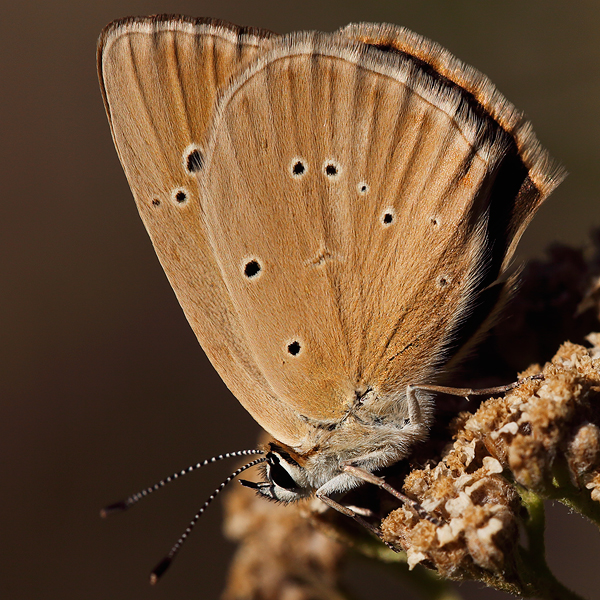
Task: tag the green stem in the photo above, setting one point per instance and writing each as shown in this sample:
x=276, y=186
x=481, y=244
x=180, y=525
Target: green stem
x=577, y=499
x=427, y=584
x=537, y=578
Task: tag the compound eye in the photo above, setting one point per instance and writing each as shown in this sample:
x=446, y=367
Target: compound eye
x=280, y=476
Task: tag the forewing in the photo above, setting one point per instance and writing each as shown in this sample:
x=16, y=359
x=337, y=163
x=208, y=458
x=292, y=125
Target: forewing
x=160, y=77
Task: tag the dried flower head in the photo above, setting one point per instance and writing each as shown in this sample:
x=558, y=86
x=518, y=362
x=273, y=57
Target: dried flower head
x=542, y=438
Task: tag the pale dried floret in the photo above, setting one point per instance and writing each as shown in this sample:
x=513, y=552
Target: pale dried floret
x=594, y=486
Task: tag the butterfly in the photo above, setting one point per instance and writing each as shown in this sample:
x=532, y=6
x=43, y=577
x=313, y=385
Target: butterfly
x=336, y=213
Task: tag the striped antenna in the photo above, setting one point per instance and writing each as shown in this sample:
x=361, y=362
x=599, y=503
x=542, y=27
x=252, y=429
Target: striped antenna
x=125, y=504
x=165, y=563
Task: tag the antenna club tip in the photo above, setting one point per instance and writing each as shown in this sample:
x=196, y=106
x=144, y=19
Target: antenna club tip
x=158, y=571
x=112, y=508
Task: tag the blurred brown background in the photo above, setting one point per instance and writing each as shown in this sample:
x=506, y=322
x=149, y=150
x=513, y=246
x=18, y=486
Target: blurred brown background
x=103, y=387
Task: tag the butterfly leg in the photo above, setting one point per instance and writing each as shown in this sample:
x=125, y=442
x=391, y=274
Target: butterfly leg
x=369, y=477
x=464, y=392
x=414, y=410
x=345, y=510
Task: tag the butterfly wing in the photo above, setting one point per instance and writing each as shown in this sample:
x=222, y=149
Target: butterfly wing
x=488, y=104
x=357, y=203
x=359, y=194
x=160, y=77
x=526, y=177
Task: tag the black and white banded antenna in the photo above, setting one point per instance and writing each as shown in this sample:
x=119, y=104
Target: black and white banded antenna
x=123, y=505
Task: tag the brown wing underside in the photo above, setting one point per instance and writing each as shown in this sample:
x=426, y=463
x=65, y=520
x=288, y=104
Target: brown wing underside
x=353, y=291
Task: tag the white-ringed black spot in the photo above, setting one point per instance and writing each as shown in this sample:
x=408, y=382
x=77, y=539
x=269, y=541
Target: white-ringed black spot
x=435, y=221
x=331, y=169
x=363, y=188
x=180, y=196
x=156, y=202
x=298, y=167
x=252, y=268
x=294, y=348
x=388, y=216
x=193, y=159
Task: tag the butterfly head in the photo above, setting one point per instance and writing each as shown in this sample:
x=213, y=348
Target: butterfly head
x=285, y=478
